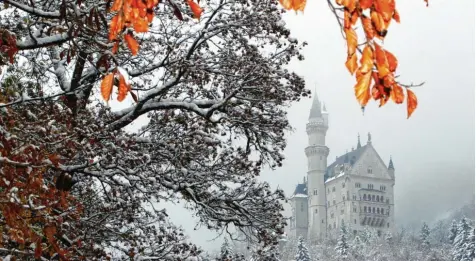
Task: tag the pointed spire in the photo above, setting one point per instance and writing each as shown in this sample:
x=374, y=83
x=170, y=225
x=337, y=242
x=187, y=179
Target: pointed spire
x=324, y=107
x=369, y=140
x=315, y=108
x=390, y=164
x=358, y=141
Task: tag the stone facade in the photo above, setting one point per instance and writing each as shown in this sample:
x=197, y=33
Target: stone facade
x=356, y=189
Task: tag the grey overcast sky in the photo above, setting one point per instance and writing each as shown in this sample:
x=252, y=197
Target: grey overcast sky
x=433, y=151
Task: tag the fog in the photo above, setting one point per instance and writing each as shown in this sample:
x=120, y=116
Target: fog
x=433, y=151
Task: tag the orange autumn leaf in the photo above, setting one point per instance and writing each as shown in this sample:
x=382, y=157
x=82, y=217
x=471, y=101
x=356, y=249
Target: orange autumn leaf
x=196, y=9
x=378, y=23
x=141, y=25
x=116, y=6
x=351, y=63
x=367, y=59
x=347, y=22
x=132, y=44
x=364, y=4
x=296, y=5
x=382, y=63
x=362, y=88
x=117, y=23
x=412, y=102
x=106, y=86
x=396, y=16
x=392, y=61
x=383, y=100
x=397, y=94
x=389, y=80
x=123, y=88
x=351, y=38
x=376, y=93
x=350, y=5
x=385, y=8
x=368, y=27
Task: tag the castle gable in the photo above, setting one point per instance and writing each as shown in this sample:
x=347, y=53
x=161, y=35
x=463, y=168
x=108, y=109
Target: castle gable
x=370, y=164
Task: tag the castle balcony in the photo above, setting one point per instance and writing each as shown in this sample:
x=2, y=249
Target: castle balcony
x=316, y=126
x=373, y=220
x=316, y=150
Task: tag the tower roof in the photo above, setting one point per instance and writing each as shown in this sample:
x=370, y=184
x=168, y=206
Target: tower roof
x=351, y=156
x=301, y=189
x=315, y=108
x=390, y=164
x=358, y=141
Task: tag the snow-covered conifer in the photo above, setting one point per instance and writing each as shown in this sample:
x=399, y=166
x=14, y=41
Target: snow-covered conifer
x=461, y=241
x=453, y=231
x=302, y=253
x=342, y=247
x=425, y=236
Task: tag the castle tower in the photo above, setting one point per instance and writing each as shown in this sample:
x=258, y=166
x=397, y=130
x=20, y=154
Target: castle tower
x=316, y=153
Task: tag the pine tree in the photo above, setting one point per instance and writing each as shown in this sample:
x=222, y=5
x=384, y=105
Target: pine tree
x=453, y=231
x=461, y=241
x=425, y=236
x=342, y=247
x=302, y=251
x=226, y=254
x=469, y=246
x=388, y=238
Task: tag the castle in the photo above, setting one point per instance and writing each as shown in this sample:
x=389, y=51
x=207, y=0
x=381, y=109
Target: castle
x=355, y=190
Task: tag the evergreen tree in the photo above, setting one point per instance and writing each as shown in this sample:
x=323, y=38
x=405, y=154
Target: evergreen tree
x=425, y=236
x=461, y=241
x=342, y=247
x=453, y=231
x=226, y=254
x=469, y=246
x=302, y=251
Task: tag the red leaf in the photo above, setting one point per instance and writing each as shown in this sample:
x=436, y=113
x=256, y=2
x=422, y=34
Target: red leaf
x=123, y=88
x=141, y=25
x=392, y=61
x=116, y=6
x=364, y=4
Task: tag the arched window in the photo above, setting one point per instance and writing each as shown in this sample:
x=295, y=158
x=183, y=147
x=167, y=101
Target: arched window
x=315, y=192
x=315, y=211
x=365, y=197
x=378, y=210
x=369, y=170
x=373, y=210
x=373, y=197
x=381, y=198
x=378, y=198
x=365, y=209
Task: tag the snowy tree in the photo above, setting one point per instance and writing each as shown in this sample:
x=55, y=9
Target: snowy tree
x=342, y=247
x=469, y=246
x=425, y=236
x=388, y=238
x=302, y=253
x=462, y=241
x=453, y=231
x=226, y=253
x=211, y=96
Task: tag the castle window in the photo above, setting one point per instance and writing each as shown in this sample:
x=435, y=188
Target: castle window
x=357, y=185
x=369, y=170
x=370, y=186
x=365, y=209
x=381, y=198
x=354, y=197
x=388, y=200
x=343, y=198
x=381, y=211
x=355, y=222
x=378, y=198
x=365, y=197
x=373, y=210
x=373, y=197
x=315, y=211
x=342, y=211
x=315, y=192
x=322, y=221
x=333, y=189
x=355, y=209
x=378, y=210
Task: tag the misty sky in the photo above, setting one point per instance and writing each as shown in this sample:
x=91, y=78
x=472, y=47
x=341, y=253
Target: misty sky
x=433, y=151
